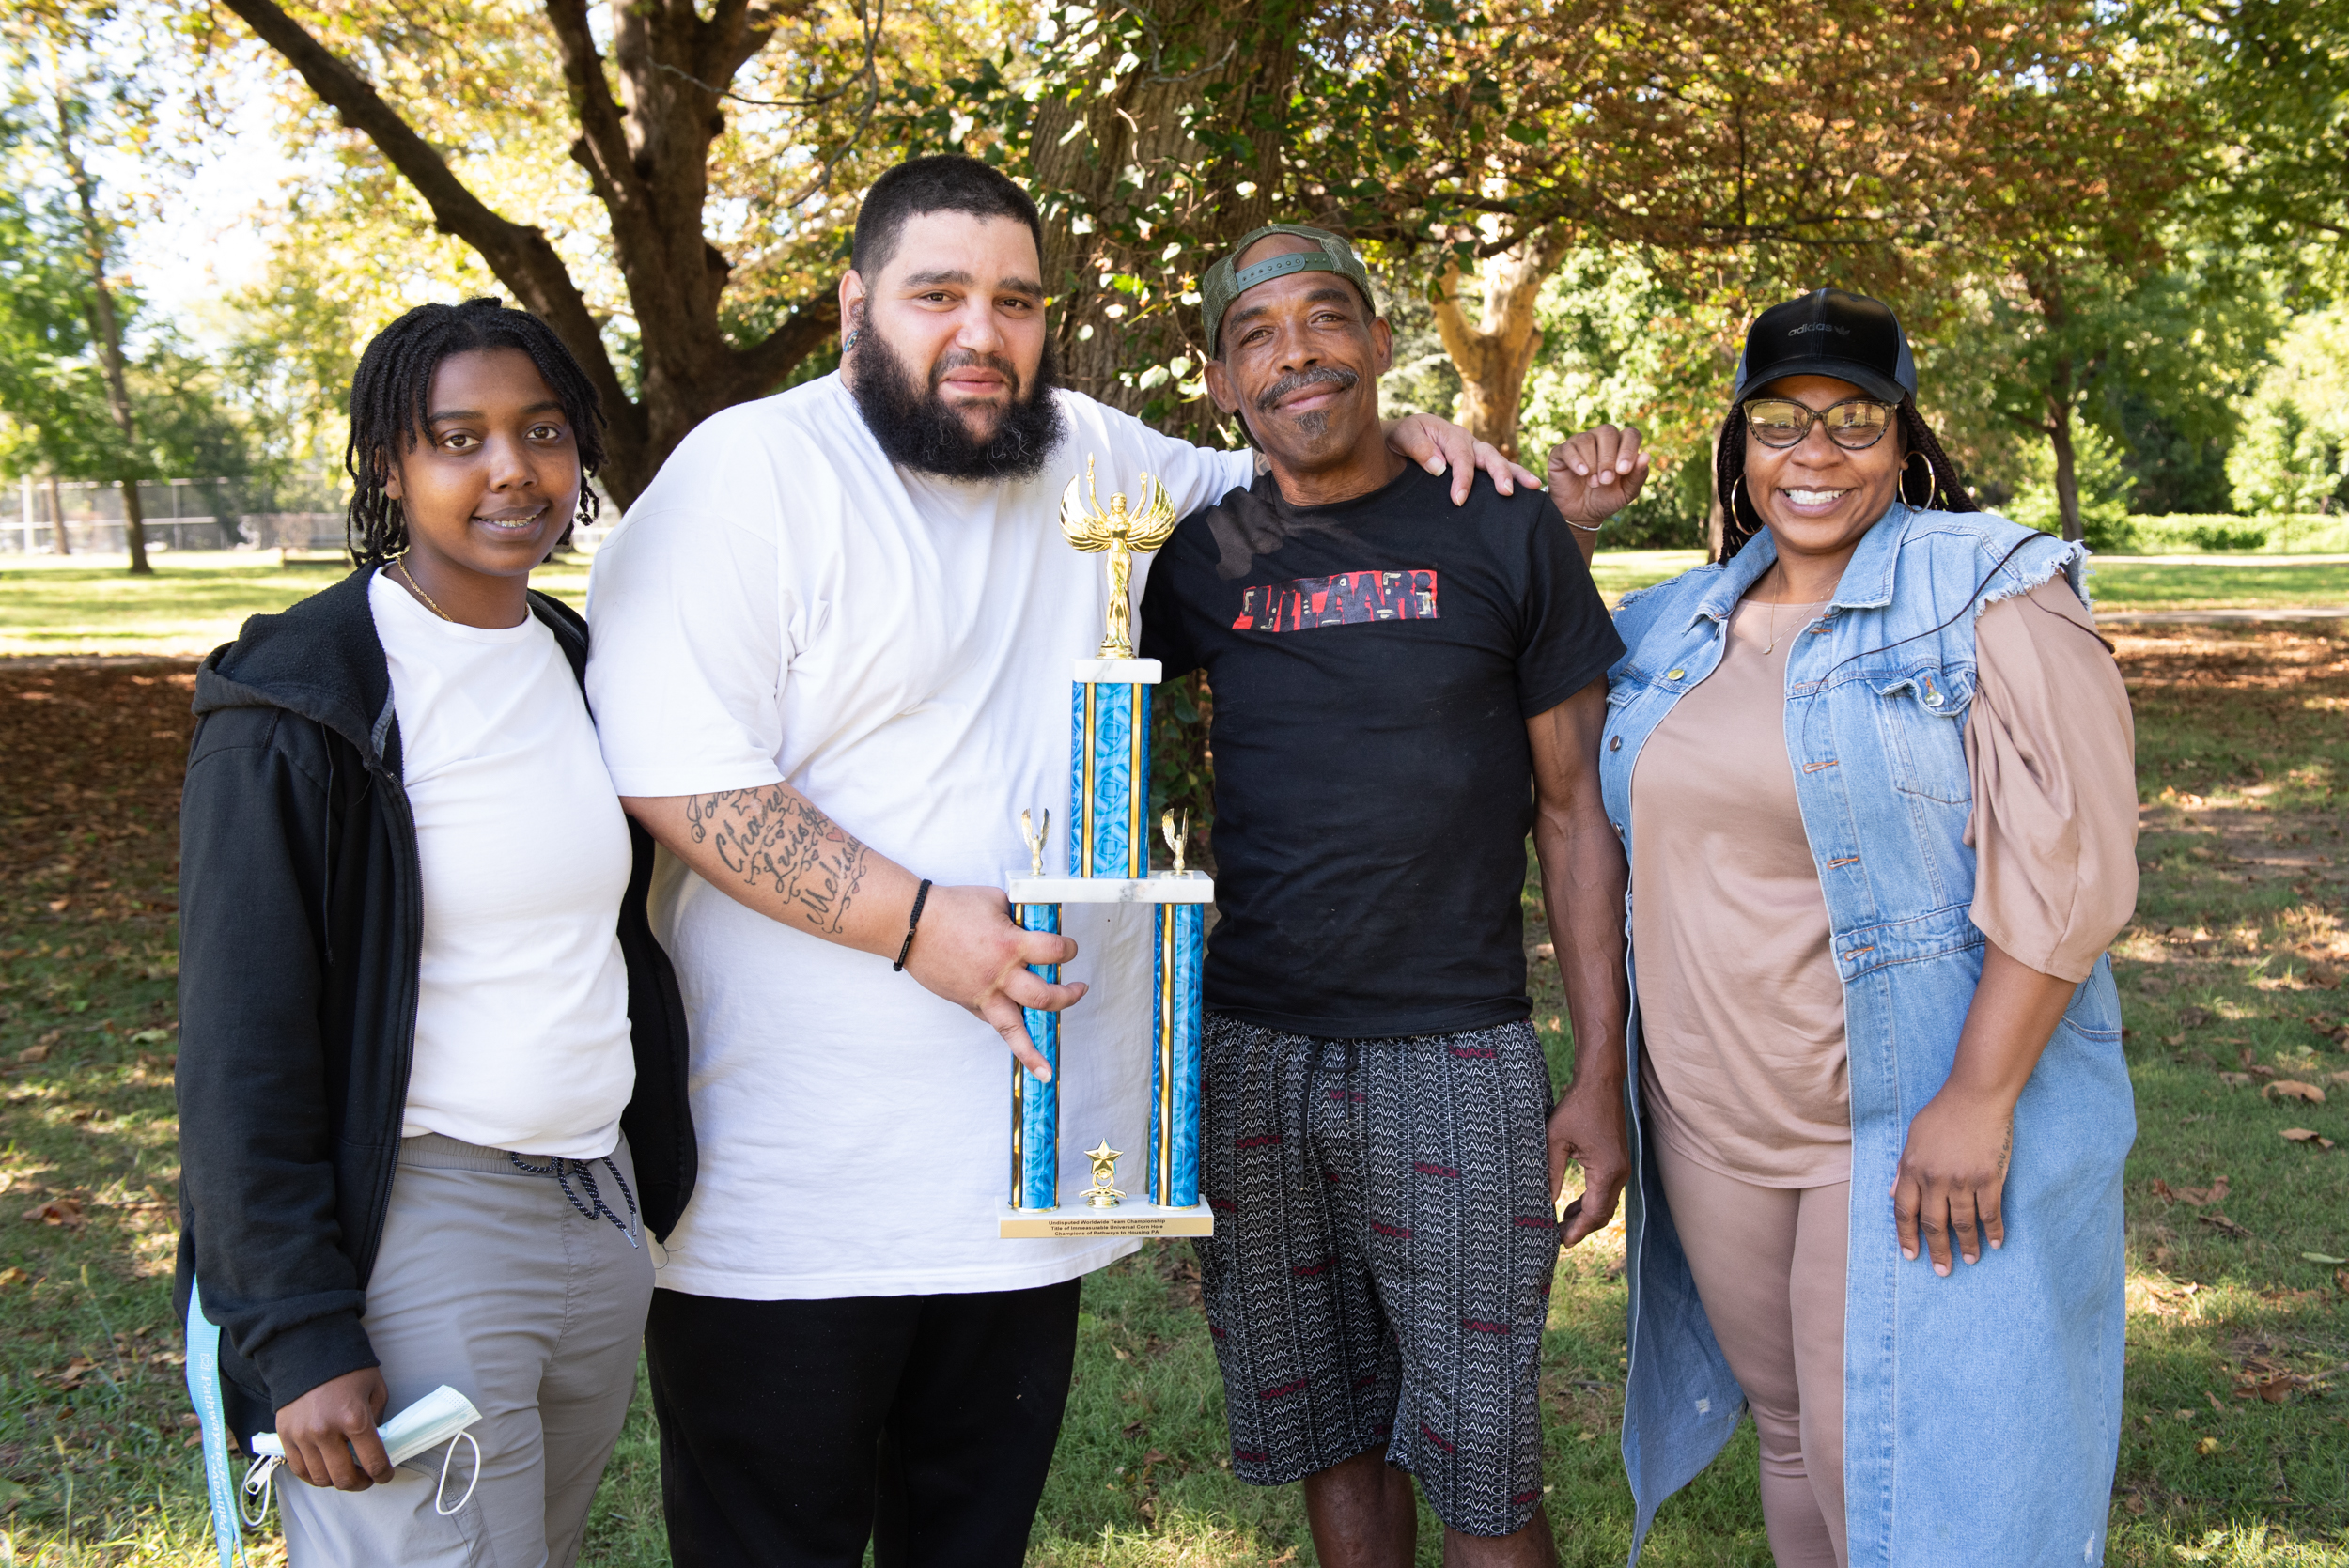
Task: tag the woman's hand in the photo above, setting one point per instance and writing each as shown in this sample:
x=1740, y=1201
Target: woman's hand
x=1596, y=474
x=321, y=1429
x=1953, y=1176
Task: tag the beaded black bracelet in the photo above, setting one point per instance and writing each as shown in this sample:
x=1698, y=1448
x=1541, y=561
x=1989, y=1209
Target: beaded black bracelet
x=921, y=896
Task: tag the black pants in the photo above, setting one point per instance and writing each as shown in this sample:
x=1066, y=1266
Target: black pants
x=791, y=1431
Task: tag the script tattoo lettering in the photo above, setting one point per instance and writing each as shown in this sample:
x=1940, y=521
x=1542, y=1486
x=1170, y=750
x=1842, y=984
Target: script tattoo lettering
x=770, y=837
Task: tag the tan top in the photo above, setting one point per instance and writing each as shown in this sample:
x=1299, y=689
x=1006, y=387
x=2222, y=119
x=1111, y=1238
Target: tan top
x=1740, y=1006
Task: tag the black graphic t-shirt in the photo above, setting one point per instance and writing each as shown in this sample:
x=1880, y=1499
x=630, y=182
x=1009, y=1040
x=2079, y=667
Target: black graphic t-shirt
x=1373, y=664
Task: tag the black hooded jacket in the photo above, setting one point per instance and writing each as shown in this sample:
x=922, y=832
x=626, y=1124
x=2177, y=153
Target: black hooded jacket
x=301, y=923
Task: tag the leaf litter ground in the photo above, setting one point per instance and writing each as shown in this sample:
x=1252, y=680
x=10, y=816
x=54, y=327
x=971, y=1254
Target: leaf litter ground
x=2236, y=1424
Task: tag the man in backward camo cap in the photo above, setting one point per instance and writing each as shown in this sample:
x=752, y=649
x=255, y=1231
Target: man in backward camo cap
x=1403, y=691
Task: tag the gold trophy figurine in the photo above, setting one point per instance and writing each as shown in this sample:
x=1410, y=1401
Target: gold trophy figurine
x=1175, y=837
x=1121, y=533
x=1101, y=1195
x=1035, y=837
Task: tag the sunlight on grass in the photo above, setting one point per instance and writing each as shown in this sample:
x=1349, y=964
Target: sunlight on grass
x=194, y=603
x=2235, y=1418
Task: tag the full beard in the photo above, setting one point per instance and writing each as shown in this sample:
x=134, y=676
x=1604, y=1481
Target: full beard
x=918, y=429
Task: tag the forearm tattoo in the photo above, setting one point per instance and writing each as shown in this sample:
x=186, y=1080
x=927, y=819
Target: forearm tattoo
x=773, y=838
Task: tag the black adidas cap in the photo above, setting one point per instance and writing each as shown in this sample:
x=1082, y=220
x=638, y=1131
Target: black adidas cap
x=1829, y=332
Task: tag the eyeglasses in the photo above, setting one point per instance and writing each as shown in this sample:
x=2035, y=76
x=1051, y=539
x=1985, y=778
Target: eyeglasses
x=1855, y=424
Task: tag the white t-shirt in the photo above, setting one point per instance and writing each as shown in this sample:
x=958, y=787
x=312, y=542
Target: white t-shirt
x=782, y=603
x=521, y=1005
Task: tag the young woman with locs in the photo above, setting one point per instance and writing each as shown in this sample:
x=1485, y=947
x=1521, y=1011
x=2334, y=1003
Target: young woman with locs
x=430, y=1077
x=1876, y=773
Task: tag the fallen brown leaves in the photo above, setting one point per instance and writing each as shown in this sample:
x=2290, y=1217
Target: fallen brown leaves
x=2293, y=1088
x=2200, y=1197
x=90, y=763
x=2306, y=1135
x=2262, y=1379
x=59, y=1211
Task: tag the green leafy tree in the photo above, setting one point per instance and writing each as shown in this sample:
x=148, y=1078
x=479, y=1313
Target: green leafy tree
x=68, y=94
x=2294, y=454
x=671, y=194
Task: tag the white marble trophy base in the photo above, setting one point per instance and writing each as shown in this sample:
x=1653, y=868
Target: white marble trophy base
x=1118, y=672
x=1165, y=887
x=1126, y=1218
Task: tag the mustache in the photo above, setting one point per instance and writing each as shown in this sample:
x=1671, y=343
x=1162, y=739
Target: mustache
x=962, y=359
x=1320, y=375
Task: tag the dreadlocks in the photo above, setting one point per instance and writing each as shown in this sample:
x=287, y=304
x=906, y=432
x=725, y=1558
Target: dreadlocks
x=1742, y=522
x=388, y=407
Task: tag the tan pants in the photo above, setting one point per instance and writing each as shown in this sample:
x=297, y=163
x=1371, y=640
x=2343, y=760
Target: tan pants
x=1769, y=1262
x=494, y=1283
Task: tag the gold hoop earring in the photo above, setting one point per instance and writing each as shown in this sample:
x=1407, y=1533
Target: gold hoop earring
x=1736, y=486
x=1931, y=484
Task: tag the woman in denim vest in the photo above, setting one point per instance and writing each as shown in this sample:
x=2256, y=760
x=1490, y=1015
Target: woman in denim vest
x=1875, y=771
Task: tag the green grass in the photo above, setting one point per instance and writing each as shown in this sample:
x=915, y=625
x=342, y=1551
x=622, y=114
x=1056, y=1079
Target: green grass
x=2292, y=533
x=1619, y=571
x=2126, y=585
x=194, y=603
x=2243, y=756
x=196, y=600
x=2210, y=584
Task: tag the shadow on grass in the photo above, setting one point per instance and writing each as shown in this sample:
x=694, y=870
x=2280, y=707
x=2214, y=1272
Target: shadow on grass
x=2233, y=967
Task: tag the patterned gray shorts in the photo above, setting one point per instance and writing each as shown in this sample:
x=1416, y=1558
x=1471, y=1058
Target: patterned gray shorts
x=1381, y=1269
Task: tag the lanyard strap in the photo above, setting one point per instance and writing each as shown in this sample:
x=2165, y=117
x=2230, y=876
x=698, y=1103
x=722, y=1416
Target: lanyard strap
x=204, y=1389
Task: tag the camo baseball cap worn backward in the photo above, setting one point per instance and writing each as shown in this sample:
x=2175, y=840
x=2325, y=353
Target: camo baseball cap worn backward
x=1226, y=280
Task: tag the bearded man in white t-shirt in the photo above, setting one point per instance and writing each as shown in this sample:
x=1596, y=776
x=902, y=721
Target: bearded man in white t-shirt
x=830, y=664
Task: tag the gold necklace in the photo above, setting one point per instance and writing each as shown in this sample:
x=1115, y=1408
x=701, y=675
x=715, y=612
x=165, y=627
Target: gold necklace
x=401, y=562
x=1772, y=643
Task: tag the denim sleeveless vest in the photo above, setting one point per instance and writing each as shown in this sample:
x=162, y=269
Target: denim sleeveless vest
x=2010, y=1367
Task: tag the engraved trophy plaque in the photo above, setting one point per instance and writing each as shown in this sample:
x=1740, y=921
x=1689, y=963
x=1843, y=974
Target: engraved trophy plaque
x=1108, y=861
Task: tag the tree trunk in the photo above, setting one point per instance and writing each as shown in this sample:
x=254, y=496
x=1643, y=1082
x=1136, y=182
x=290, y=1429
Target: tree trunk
x=647, y=153
x=58, y=540
x=2047, y=292
x=2067, y=482
x=1494, y=354
x=1120, y=178
x=106, y=329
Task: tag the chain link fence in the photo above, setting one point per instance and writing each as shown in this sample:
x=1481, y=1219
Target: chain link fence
x=84, y=516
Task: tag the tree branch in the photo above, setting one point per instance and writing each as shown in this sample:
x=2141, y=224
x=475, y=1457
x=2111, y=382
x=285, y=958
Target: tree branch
x=599, y=118
x=519, y=253
x=765, y=362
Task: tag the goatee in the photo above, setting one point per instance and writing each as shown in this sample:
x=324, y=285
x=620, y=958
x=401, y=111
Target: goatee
x=917, y=428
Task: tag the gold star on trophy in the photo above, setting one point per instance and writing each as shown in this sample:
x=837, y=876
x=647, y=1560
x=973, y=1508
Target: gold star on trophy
x=1101, y=1195
x=1121, y=533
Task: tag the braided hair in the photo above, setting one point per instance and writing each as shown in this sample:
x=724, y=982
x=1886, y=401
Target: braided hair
x=1741, y=522
x=388, y=399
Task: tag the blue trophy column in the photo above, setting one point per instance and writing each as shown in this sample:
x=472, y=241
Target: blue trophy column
x=1036, y=1106
x=1108, y=777
x=1174, y=1066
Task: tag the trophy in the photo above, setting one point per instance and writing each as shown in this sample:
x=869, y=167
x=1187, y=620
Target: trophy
x=1109, y=862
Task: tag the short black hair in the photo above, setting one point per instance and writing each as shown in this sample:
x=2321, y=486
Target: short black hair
x=388, y=398
x=947, y=182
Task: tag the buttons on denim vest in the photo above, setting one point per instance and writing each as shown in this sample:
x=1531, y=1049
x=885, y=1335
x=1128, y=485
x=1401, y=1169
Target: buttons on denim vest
x=1614, y=742
x=1933, y=699
x=1674, y=675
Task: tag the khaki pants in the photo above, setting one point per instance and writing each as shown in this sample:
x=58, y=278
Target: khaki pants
x=1769, y=1263
x=493, y=1281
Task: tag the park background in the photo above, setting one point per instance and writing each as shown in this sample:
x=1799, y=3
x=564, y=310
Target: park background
x=2118, y=233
